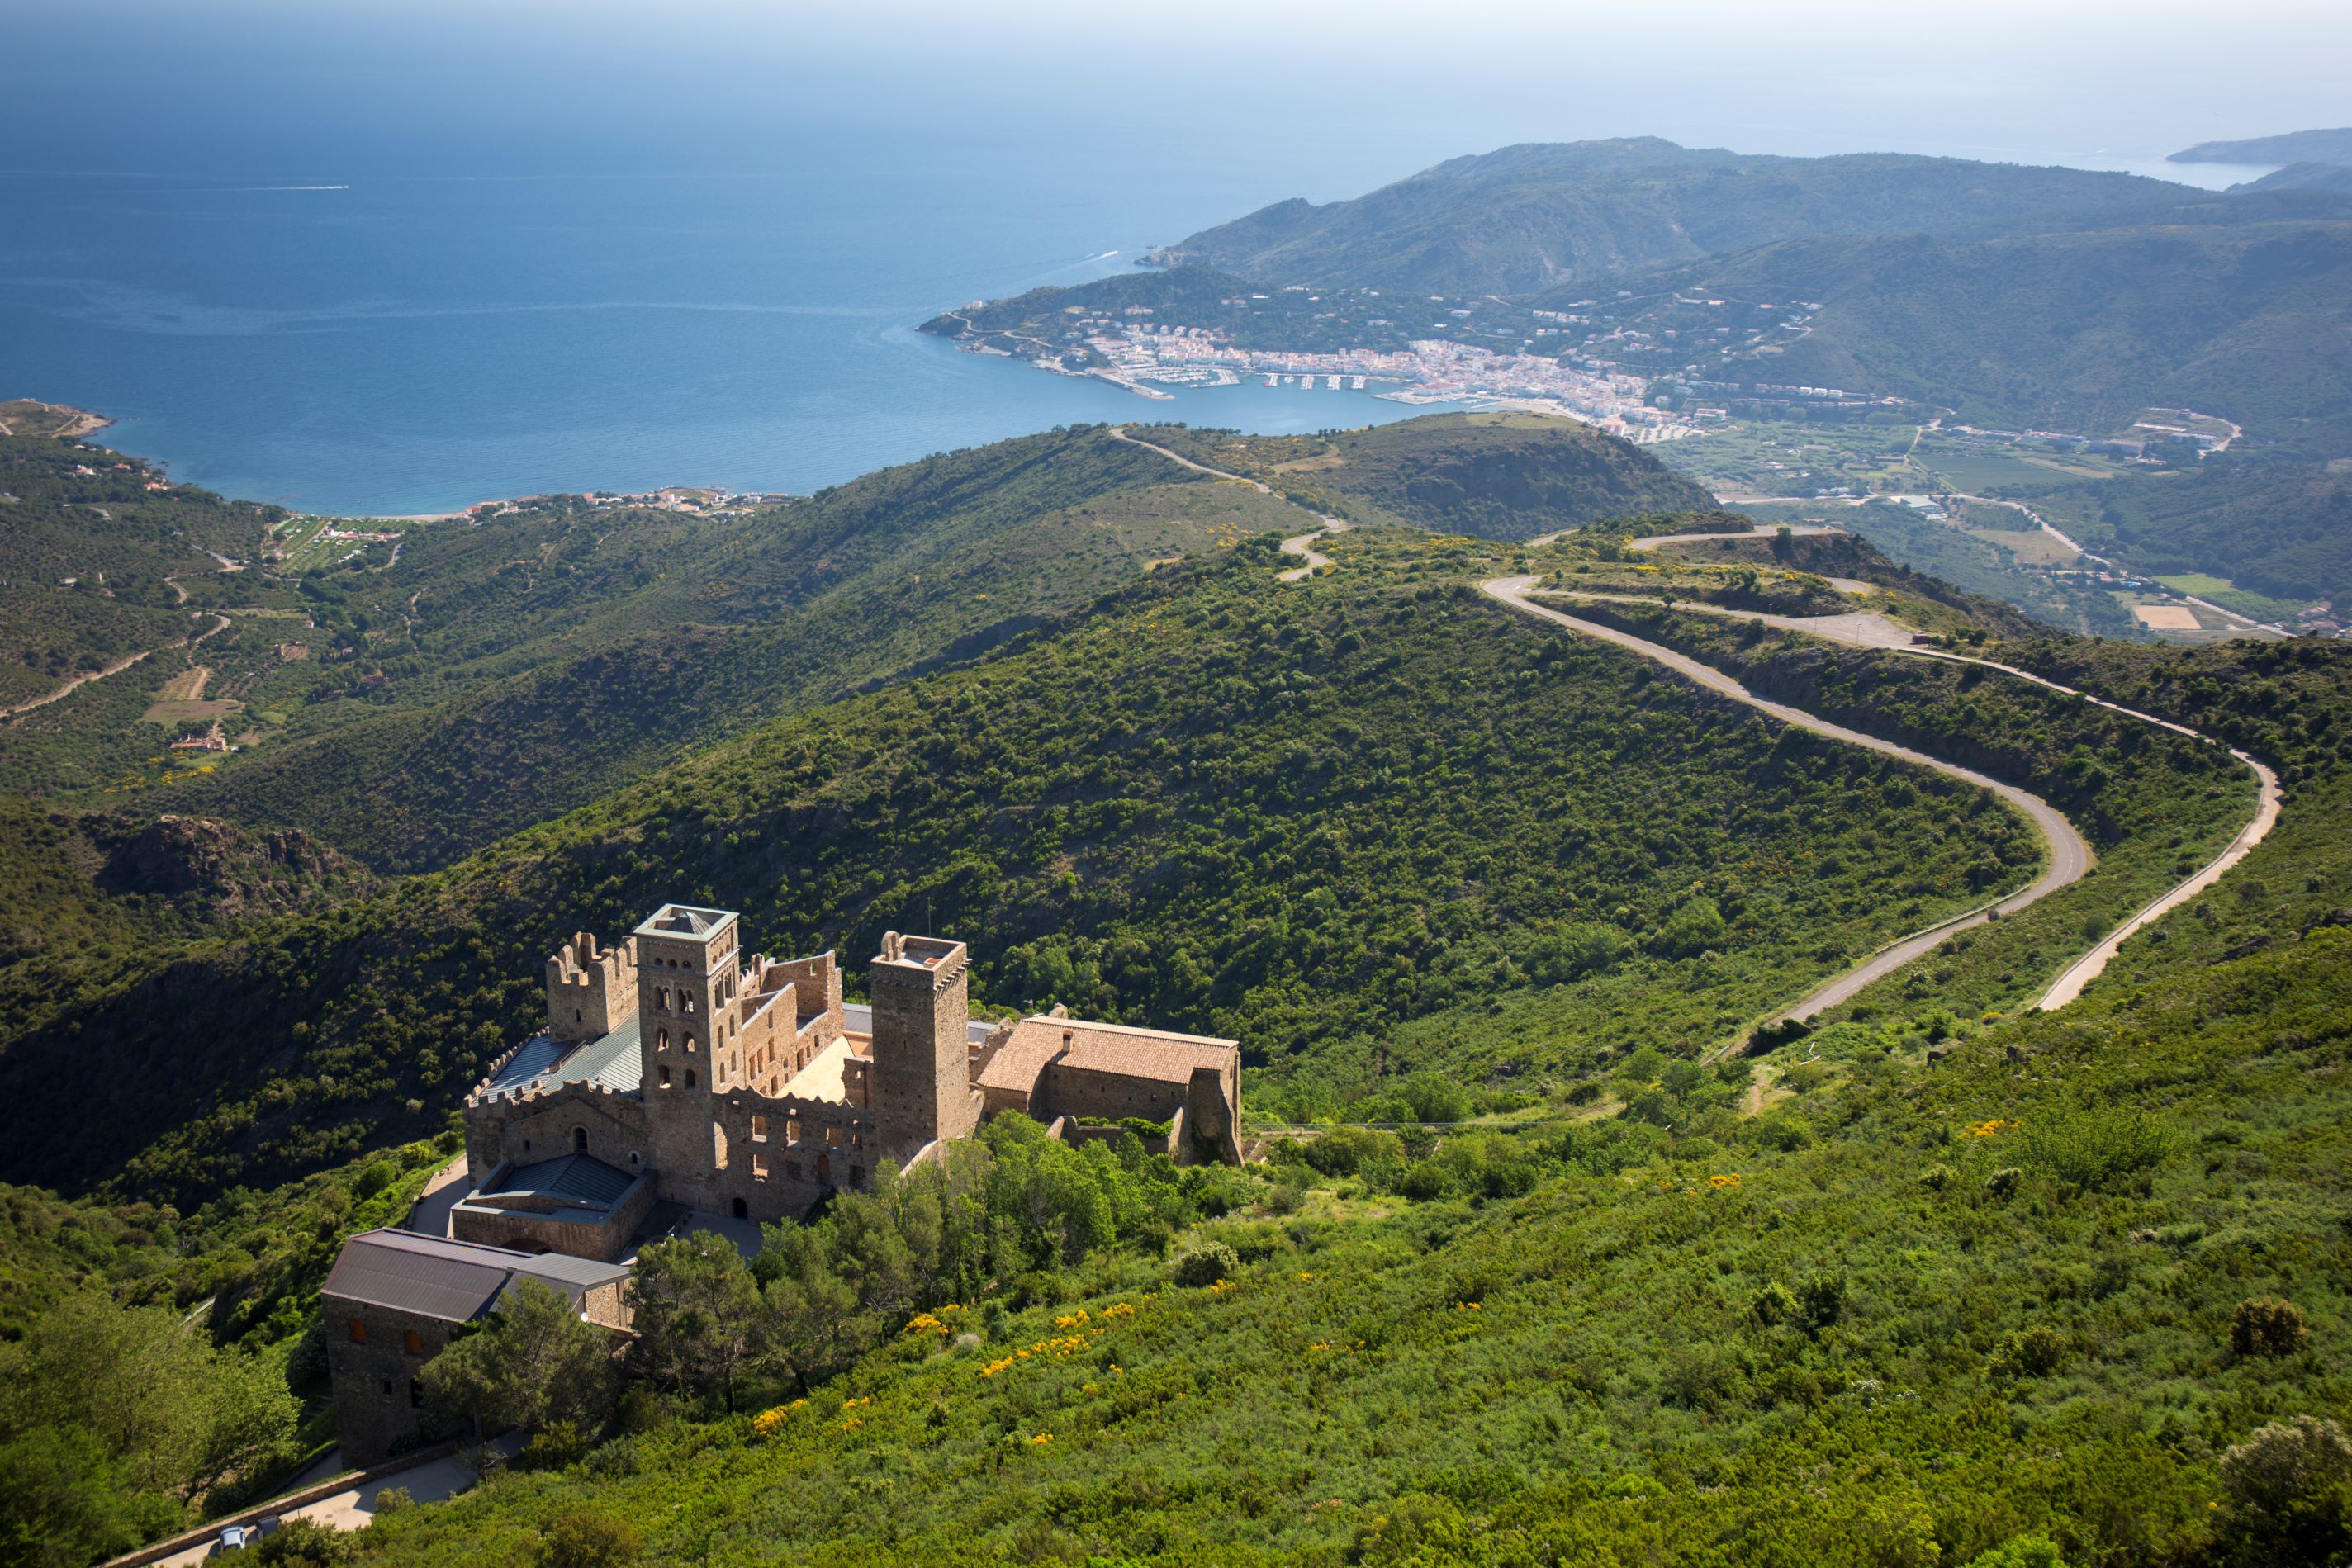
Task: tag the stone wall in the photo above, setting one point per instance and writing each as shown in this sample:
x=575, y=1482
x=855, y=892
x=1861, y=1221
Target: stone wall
x=519, y=1130
x=543, y=1225
x=922, y=1010
x=379, y=1399
x=591, y=991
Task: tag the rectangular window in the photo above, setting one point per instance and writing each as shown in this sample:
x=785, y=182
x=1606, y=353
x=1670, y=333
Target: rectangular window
x=760, y=1128
x=759, y=1167
x=415, y=1394
x=413, y=1343
x=359, y=1332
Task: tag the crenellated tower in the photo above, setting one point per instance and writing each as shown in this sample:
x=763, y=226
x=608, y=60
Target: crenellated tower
x=922, y=1013
x=591, y=990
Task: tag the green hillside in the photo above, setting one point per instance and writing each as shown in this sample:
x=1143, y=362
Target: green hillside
x=2293, y=146
x=87, y=551
x=1502, y=476
x=2079, y=329
x=1634, y=1294
x=534, y=686
x=1302, y=815
x=1531, y=216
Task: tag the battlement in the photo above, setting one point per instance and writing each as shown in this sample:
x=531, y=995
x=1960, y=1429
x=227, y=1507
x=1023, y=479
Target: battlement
x=590, y=988
x=934, y=960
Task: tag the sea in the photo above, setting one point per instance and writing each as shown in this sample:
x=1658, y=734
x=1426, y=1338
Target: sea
x=394, y=345
x=410, y=314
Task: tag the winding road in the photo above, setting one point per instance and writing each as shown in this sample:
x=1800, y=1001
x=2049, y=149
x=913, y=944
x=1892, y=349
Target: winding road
x=2070, y=857
x=1300, y=545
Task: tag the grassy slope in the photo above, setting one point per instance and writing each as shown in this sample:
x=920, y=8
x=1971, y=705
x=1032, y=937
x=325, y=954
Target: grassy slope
x=498, y=674
x=117, y=539
x=2179, y=1145
x=1578, y=1375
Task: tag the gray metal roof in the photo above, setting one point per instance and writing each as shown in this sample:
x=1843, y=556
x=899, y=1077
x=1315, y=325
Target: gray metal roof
x=583, y=1178
x=609, y=1062
x=455, y=1281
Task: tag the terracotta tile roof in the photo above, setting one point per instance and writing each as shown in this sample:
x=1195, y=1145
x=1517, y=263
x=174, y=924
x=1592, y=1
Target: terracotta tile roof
x=1124, y=1049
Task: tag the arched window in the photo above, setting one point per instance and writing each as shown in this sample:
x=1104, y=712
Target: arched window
x=690, y=1078
x=661, y=1039
x=579, y=1139
x=661, y=998
x=687, y=1040
x=685, y=1001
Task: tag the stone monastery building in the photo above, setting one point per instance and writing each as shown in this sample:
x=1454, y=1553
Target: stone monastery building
x=679, y=1072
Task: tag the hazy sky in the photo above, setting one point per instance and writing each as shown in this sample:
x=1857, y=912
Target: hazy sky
x=1344, y=93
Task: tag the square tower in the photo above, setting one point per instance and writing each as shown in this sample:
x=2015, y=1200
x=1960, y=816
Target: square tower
x=922, y=1017
x=688, y=971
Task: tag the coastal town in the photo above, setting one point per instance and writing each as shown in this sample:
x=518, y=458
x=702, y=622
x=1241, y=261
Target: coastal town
x=1141, y=355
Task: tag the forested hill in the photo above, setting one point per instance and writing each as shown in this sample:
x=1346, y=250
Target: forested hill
x=539, y=670
x=2241, y=304
x=1490, y=475
x=2294, y=147
x=1535, y=216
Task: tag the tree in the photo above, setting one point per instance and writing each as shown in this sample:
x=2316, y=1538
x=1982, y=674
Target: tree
x=305, y=1543
x=694, y=1305
x=587, y=1538
x=533, y=1362
x=173, y=1412
x=2289, y=1491
x=61, y=1502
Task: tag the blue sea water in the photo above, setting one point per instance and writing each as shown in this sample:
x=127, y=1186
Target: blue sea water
x=389, y=258
x=390, y=343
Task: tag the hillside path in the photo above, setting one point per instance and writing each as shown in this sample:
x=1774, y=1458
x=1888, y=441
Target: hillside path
x=1300, y=545
x=1873, y=631
x=220, y=623
x=2069, y=859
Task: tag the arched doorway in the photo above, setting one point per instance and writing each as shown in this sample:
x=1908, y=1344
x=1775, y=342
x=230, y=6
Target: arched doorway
x=739, y=1210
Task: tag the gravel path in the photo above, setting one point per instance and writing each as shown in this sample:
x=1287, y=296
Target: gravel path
x=2069, y=859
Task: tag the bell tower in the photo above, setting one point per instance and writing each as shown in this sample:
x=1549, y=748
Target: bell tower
x=689, y=964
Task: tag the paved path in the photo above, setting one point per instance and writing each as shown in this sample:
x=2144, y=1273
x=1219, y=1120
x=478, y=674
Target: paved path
x=429, y=1215
x=432, y=1481
x=1871, y=630
x=2267, y=797
x=2069, y=855
x=1859, y=629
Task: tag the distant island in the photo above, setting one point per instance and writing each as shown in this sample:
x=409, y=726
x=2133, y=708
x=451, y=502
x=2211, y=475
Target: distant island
x=2294, y=147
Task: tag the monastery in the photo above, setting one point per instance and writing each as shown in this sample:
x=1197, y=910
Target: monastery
x=679, y=1076
x=678, y=1072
